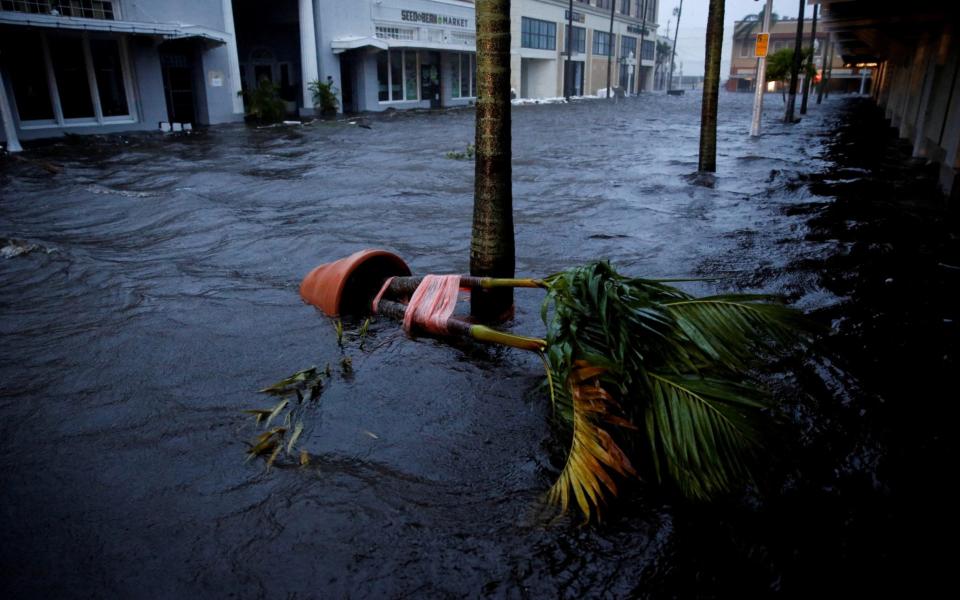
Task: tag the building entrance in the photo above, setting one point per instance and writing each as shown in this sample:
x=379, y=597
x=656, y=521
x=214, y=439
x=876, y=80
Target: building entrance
x=430, y=84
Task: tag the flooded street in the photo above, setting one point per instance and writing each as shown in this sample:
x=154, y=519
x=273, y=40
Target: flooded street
x=155, y=290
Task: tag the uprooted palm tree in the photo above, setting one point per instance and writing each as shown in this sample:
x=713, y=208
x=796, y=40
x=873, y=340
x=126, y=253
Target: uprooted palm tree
x=652, y=381
x=645, y=378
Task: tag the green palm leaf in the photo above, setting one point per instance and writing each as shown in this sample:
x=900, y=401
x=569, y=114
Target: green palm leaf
x=675, y=365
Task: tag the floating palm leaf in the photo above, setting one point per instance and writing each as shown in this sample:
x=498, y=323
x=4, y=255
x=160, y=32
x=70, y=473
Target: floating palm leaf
x=674, y=365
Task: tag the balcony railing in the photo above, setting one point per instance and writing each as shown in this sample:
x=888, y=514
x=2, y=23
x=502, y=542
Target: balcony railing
x=87, y=9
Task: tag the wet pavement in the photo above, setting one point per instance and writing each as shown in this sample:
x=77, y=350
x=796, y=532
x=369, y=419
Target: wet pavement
x=153, y=290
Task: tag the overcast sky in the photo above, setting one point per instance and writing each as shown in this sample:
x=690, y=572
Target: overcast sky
x=693, y=27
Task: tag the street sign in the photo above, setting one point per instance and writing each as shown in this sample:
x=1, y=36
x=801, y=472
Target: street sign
x=763, y=39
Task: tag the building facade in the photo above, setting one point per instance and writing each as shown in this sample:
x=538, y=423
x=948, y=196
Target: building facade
x=100, y=66
x=539, y=46
x=743, y=64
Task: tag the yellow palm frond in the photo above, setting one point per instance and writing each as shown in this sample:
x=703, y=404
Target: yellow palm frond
x=594, y=456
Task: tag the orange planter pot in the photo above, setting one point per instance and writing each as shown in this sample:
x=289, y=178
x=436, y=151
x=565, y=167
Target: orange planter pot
x=349, y=285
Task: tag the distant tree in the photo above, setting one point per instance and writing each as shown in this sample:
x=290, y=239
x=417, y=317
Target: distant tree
x=663, y=58
x=780, y=63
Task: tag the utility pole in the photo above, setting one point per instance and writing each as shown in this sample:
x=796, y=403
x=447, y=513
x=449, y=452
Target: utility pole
x=673, y=53
x=711, y=88
x=568, y=80
x=613, y=7
x=761, y=76
x=813, y=48
x=795, y=69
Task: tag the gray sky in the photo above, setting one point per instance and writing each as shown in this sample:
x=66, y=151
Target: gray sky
x=693, y=26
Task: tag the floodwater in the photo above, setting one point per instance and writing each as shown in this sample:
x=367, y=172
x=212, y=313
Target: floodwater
x=153, y=289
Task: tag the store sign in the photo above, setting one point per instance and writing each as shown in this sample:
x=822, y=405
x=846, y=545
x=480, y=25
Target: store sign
x=763, y=40
x=414, y=16
x=636, y=29
x=577, y=16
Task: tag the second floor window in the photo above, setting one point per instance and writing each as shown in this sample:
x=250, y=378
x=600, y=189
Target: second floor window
x=601, y=43
x=579, y=39
x=537, y=34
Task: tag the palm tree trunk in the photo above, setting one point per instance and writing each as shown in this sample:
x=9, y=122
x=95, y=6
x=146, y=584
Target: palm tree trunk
x=492, y=251
x=795, y=69
x=673, y=54
x=711, y=88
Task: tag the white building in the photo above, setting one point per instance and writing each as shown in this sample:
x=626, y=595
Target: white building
x=539, y=52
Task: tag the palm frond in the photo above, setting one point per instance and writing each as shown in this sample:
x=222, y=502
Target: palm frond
x=594, y=457
x=731, y=329
x=701, y=431
x=670, y=362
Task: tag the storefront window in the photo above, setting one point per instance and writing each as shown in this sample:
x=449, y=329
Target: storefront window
x=90, y=77
x=109, y=75
x=410, y=74
x=383, y=78
x=28, y=76
x=71, y=73
x=397, y=77
x=464, y=76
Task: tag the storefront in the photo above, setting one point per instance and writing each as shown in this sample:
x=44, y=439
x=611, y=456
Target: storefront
x=399, y=54
x=84, y=67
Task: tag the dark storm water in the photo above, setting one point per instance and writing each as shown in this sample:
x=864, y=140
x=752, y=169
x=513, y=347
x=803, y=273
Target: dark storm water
x=163, y=293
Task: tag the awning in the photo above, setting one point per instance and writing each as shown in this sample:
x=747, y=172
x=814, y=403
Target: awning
x=169, y=31
x=341, y=45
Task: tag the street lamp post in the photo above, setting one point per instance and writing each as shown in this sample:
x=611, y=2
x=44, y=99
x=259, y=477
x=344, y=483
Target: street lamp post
x=761, y=76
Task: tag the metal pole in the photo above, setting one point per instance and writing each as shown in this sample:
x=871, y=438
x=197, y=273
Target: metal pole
x=568, y=81
x=613, y=7
x=6, y=115
x=863, y=79
x=761, y=77
x=813, y=48
x=643, y=32
x=673, y=52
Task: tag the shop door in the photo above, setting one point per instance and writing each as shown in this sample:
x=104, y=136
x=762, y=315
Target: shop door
x=178, y=88
x=577, y=78
x=430, y=84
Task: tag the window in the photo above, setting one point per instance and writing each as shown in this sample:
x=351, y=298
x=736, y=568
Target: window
x=69, y=66
x=68, y=79
x=628, y=46
x=537, y=34
x=745, y=47
x=649, y=47
x=463, y=76
x=87, y=9
x=108, y=70
x=395, y=33
x=397, y=76
x=410, y=75
x=601, y=43
x=28, y=76
x=579, y=39
x=604, y=3
x=625, y=6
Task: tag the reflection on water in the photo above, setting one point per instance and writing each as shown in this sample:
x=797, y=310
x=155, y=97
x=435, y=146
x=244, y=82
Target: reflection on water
x=170, y=296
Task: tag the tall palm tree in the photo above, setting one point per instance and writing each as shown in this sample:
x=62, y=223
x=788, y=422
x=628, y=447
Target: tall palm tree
x=711, y=88
x=795, y=69
x=492, y=252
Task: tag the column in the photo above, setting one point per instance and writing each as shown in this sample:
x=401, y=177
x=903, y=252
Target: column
x=309, y=71
x=233, y=61
x=6, y=115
